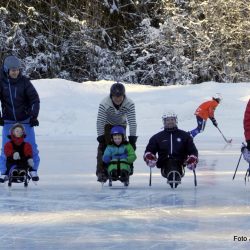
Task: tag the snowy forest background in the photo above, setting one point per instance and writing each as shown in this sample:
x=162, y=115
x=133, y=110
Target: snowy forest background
x=156, y=42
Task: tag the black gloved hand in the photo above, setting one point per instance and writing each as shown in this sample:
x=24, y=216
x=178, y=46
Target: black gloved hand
x=34, y=122
x=1, y=121
x=248, y=145
x=214, y=121
x=101, y=139
x=243, y=147
x=132, y=140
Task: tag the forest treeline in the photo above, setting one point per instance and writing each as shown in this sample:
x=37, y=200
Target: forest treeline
x=156, y=42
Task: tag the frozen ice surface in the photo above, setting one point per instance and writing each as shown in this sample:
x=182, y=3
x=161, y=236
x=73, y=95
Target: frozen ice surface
x=68, y=209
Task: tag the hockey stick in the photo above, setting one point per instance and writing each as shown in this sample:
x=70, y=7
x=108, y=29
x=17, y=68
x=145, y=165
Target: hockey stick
x=195, y=180
x=226, y=140
x=150, y=177
x=237, y=165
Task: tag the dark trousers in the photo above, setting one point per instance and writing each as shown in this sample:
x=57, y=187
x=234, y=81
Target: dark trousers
x=172, y=165
x=201, y=123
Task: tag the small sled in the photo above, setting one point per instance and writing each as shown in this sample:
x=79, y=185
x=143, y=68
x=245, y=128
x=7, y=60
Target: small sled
x=126, y=183
x=174, y=172
x=18, y=175
x=174, y=179
x=123, y=177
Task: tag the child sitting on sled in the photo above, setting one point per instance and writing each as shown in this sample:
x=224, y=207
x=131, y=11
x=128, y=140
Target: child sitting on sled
x=18, y=153
x=119, y=155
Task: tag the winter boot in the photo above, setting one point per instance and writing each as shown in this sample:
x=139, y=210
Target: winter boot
x=102, y=176
x=14, y=172
x=131, y=169
x=34, y=176
x=124, y=177
x=113, y=175
x=22, y=174
x=3, y=178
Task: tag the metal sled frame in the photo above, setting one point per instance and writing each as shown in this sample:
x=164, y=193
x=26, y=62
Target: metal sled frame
x=126, y=183
x=18, y=179
x=174, y=183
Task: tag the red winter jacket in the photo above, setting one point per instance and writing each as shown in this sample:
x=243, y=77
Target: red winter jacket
x=24, y=148
x=246, y=122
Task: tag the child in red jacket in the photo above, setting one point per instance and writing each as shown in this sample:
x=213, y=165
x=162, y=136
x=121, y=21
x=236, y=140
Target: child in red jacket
x=18, y=153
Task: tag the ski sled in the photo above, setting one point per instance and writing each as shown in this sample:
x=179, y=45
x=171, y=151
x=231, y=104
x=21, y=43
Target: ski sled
x=121, y=175
x=18, y=175
x=174, y=179
x=247, y=175
x=173, y=172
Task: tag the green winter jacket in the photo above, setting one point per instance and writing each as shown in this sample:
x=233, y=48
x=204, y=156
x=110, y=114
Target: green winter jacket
x=123, y=154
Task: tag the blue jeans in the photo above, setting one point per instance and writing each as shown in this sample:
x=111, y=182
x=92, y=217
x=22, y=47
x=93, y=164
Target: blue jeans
x=30, y=137
x=200, y=128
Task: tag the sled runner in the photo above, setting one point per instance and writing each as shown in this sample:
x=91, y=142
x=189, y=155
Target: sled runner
x=121, y=175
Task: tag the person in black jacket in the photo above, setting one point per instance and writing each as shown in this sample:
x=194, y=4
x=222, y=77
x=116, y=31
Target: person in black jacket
x=175, y=149
x=20, y=103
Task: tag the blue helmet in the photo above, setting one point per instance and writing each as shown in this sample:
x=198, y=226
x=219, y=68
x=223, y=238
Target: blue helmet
x=118, y=130
x=11, y=62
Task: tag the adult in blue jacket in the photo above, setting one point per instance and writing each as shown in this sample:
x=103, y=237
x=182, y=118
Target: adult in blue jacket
x=20, y=103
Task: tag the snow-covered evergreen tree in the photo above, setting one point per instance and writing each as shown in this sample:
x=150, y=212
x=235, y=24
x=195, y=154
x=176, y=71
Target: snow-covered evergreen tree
x=154, y=42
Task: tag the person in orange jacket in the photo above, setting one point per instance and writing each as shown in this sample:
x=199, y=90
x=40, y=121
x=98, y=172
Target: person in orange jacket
x=205, y=111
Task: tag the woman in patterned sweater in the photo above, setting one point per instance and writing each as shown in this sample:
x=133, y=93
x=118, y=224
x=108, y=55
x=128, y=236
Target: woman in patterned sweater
x=115, y=109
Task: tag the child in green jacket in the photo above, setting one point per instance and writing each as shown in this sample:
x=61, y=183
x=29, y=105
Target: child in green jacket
x=119, y=155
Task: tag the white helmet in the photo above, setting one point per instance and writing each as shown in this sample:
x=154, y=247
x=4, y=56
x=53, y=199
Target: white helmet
x=170, y=114
x=170, y=120
x=217, y=97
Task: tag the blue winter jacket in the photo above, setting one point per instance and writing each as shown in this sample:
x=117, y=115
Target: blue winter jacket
x=19, y=99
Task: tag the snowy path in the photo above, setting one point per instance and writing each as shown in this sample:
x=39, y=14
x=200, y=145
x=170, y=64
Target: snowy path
x=68, y=209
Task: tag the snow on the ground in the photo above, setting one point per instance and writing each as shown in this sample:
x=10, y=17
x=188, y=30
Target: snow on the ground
x=68, y=209
x=69, y=108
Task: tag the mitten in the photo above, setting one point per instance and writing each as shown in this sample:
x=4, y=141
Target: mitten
x=30, y=162
x=215, y=123
x=243, y=147
x=132, y=140
x=34, y=122
x=191, y=162
x=101, y=139
x=150, y=159
x=16, y=156
x=123, y=156
x=106, y=159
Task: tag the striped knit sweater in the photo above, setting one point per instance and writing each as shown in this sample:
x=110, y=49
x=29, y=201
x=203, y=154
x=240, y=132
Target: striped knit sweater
x=108, y=114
